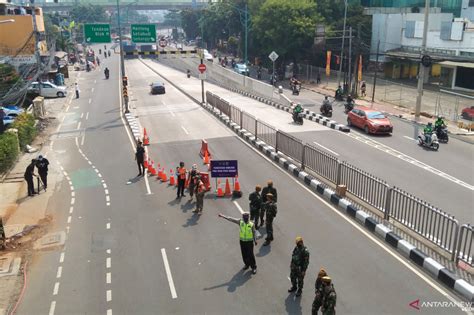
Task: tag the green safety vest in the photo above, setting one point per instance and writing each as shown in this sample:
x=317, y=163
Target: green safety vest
x=246, y=233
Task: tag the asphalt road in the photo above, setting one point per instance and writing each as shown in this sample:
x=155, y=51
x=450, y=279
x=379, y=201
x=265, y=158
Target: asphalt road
x=132, y=248
x=444, y=179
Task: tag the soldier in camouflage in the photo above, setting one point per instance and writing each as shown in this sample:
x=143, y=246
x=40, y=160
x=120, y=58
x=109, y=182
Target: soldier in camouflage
x=255, y=205
x=318, y=297
x=329, y=298
x=299, y=264
x=270, y=208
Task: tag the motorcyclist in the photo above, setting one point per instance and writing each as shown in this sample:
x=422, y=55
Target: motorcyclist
x=349, y=103
x=293, y=81
x=188, y=73
x=439, y=123
x=339, y=92
x=326, y=106
x=298, y=109
x=427, y=132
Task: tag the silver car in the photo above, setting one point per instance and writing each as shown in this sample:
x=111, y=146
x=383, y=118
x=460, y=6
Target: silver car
x=48, y=89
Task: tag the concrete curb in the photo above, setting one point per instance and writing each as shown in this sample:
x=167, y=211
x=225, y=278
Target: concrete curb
x=435, y=269
x=310, y=115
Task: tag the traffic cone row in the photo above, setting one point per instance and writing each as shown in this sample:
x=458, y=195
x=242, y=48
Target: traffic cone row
x=172, y=181
x=220, y=193
x=146, y=139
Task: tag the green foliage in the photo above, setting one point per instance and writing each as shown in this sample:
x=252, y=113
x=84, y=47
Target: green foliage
x=25, y=123
x=189, y=23
x=88, y=13
x=8, y=78
x=8, y=151
x=286, y=26
x=172, y=18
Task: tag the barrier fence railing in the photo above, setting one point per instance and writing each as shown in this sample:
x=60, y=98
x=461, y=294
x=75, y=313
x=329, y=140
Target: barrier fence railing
x=426, y=220
x=289, y=145
x=363, y=185
x=433, y=224
x=465, y=245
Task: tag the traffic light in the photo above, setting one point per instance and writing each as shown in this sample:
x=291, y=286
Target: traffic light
x=124, y=81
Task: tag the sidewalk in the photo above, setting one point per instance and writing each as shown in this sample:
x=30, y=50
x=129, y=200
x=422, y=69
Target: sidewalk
x=19, y=211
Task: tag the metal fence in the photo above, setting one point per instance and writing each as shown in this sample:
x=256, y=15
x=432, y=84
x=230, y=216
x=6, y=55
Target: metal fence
x=321, y=162
x=465, y=245
x=363, y=185
x=236, y=115
x=266, y=133
x=430, y=222
x=249, y=123
x=289, y=145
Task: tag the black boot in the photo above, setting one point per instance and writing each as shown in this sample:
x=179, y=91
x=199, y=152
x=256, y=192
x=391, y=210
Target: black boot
x=298, y=293
x=292, y=289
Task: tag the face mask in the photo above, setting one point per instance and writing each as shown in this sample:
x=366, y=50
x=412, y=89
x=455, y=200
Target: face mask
x=246, y=219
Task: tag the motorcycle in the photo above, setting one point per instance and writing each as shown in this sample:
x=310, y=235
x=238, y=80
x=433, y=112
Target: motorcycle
x=296, y=89
x=348, y=107
x=106, y=75
x=338, y=96
x=442, y=134
x=298, y=118
x=108, y=53
x=433, y=144
x=188, y=73
x=326, y=110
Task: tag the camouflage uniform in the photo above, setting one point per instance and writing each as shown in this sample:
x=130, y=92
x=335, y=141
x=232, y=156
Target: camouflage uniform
x=318, y=297
x=299, y=264
x=270, y=208
x=329, y=300
x=255, y=206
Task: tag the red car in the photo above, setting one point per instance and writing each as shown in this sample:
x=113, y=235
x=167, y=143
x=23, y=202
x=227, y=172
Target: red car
x=468, y=113
x=372, y=121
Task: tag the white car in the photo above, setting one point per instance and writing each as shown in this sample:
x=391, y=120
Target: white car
x=48, y=89
x=207, y=55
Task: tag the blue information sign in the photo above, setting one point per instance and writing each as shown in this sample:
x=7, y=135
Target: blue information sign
x=224, y=168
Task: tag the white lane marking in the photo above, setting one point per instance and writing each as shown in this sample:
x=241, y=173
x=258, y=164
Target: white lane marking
x=99, y=174
x=71, y=209
x=107, y=226
x=82, y=115
x=109, y=312
x=92, y=90
x=95, y=81
x=107, y=204
x=109, y=251
x=409, y=138
x=82, y=140
x=90, y=163
x=355, y=225
x=69, y=218
x=185, y=130
x=60, y=272
x=56, y=288
x=108, y=278
x=95, y=169
x=147, y=183
x=52, y=308
x=329, y=150
x=106, y=191
x=107, y=198
x=90, y=101
x=61, y=258
x=73, y=194
x=108, y=262
x=104, y=185
x=78, y=126
x=67, y=108
x=73, y=200
x=109, y=295
x=238, y=207
x=409, y=159
x=87, y=115
x=168, y=274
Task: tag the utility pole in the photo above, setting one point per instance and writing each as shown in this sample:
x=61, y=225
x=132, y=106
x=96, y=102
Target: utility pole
x=122, y=63
x=202, y=80
x=246, y=32
x=37, y=52
x=421, y=72
x=350, y=59
x=376, y=68
x=342, y=46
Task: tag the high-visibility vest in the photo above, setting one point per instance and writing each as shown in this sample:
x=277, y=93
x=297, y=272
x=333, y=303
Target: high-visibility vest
x=246, y=233
x=182, y=173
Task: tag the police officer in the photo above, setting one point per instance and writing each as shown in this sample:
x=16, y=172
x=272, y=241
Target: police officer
x=42, y=166
x=192, y=181
x=267, y=190
x=140, y=158
x=181, y=180
x=255, y=205
x=298, y=266
x=318, y=296
x=200, y=191
x=29, y=173
x=329, y=298
x=247, y=239
x=270, y=208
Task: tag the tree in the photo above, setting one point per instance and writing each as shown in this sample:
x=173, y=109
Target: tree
x=172, y=18
x=88, y=13
x=189, y=23
x=286, y=26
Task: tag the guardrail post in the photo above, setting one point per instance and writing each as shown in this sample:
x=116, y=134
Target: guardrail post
x=276, y=142
x=302, y=157
x=456, y=239
x=256, y=128
x=388, y=204
x=241, y=119
x=339, y=173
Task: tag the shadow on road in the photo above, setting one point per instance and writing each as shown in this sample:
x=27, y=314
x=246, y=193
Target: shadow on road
x=264, y=250
x=192, y=220
x=237, y=280
x=292, y=304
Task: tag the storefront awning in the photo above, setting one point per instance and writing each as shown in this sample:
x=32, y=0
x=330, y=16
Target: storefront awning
x=457, y=64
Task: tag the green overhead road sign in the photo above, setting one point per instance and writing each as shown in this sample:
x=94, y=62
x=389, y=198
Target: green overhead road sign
x=97, y=33
x=143, y=33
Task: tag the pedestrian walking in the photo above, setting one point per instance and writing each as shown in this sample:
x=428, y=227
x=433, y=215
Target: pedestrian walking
x=42, y=166
x=140, y=158
x=192, y=181
x=267, y=190
x=97, y=60
x=318, y=78
x=29, y=173
x=247, y=239
x=363, y=88
x=181, y=180
x=200, y=191
x=329, y=297
x=255, y=205
x=270, y=208
x=76, y=87
x=298, y=266
x=318, y=294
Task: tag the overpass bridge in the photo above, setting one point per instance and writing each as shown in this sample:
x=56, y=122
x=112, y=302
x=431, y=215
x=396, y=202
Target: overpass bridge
x=65, y=5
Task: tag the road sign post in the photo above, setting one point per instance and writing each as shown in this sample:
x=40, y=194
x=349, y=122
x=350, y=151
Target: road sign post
x=273, y=56
x=202, y=69
x=143, y=33
x=97, y=33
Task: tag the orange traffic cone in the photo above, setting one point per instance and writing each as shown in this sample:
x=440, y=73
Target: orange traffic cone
x=146, y=140
x=219, y=189
x=206, y=158
x=153, y=170
x=164, y=178
x=160, y=171
x=236, y=185
x=172, y=181
x=227, y=191
x=145, y=163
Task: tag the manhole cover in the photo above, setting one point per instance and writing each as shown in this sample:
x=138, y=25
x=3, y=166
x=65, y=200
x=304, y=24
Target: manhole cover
x=51, y=240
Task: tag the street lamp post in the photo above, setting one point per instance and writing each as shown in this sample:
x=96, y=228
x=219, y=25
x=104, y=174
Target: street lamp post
x=421, y=72
x=122, y=63
x=342, y=46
